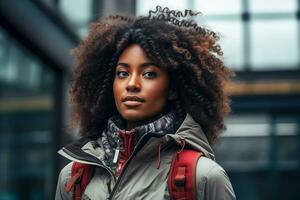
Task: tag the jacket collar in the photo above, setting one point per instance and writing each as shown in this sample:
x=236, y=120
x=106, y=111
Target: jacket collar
x=115, y=136
x=189, y=131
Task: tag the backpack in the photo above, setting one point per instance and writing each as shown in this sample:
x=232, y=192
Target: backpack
x=181, y=182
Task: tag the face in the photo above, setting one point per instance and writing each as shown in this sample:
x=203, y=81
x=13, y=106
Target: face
x=140, y=86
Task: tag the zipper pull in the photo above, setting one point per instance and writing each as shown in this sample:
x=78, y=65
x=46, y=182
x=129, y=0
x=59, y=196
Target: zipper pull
x=117, y=152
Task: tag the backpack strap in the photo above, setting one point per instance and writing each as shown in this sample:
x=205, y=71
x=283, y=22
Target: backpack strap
x=81, y=175
x=182, y=177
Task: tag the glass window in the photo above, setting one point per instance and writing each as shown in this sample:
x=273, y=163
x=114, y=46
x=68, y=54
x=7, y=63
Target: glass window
x=247, y=130
x=287, y=128
x=79, y=13
x=274, y=44
x=287, y=152
x=243, y=132
x=26, y=121
x=237, y=153
x=143, y=6
x=76, y=12
x=247, y=125
x=258, y=161
x=272, y=6
x=217, y=7
x=231, y=40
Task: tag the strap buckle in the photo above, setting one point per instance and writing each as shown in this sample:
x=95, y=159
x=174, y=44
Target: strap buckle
x=180, y=178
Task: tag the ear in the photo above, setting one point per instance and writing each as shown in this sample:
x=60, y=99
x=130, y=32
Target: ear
x=172, y=95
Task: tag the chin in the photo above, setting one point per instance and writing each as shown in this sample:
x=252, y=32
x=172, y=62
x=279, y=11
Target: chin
x=133, y=115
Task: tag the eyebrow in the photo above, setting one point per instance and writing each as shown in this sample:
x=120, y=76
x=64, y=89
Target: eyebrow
x=143, y=65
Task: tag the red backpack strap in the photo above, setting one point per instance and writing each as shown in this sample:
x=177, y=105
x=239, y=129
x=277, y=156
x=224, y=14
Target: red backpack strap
x=80, y=176
x=182, y=177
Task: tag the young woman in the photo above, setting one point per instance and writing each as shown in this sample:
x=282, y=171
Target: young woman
x=144, y=88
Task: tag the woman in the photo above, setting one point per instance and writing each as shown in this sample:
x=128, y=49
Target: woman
x=142, y=88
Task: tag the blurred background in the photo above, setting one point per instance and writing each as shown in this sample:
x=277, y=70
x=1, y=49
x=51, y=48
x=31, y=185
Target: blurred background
x=260, y=149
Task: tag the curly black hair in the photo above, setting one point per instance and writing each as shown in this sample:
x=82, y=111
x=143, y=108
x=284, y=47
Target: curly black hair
x=188, y=51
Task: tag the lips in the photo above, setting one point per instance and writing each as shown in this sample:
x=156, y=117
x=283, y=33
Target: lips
x=133, y=98
x=133, y=101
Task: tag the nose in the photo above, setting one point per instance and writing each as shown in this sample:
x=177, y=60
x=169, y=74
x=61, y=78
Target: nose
x=134, y=84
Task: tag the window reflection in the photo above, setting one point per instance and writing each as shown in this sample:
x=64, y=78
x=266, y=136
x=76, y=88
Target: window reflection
x=231, y=41
x=219, y=7
x=272, y=6
x=76, y=12
x=79, y=13
x=274, y=44
x=143, y=6
x=253, y=138
x=26, y=121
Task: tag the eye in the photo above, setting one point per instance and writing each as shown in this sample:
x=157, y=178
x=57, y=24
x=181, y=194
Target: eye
x=122, y=74
x=150, y=74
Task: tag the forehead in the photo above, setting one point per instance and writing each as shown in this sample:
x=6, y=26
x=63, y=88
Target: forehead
x=134, y=52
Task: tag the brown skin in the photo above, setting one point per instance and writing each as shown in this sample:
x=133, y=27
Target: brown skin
x=137, y=76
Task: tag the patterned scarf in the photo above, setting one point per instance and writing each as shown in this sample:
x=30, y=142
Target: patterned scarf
x=110, y=136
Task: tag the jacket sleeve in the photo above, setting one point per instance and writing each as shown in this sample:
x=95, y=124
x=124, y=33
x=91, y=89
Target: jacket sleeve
x=213, y=182
x=63, y=178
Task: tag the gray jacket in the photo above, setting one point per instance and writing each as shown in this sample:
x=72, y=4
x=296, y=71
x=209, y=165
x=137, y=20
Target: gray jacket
x=140, y=178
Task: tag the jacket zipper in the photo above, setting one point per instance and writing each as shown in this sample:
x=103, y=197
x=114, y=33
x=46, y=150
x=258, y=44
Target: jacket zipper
x=126, y=164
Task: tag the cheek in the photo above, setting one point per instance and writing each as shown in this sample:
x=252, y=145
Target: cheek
x=158, y=91
x=117, y=90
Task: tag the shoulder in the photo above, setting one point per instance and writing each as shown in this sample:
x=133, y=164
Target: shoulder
x=65, y=173
x=210, y=170
x=63, y=178
x=212, y=180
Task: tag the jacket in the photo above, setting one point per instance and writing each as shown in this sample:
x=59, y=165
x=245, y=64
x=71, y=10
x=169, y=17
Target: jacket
x=140, y=178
